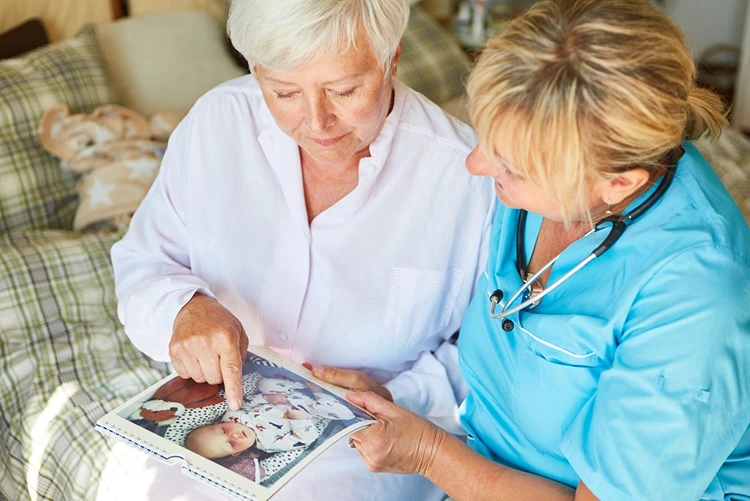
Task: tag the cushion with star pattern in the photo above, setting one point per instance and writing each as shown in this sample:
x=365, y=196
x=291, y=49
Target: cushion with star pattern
x=117, y=152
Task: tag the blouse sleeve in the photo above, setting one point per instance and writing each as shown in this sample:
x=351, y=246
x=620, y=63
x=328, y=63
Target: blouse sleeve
x=676, y=401
x=153, y=277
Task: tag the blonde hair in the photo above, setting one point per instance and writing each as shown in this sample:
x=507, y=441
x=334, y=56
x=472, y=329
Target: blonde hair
x=285, y=35
x=578, y=90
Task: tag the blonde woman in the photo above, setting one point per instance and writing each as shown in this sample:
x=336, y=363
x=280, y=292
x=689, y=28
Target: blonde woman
x=630, y=377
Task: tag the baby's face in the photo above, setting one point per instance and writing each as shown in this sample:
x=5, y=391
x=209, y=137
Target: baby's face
x=275, y=398
x=220, y=439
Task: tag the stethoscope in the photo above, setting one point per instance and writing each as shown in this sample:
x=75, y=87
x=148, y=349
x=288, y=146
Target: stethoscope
x=530, y=300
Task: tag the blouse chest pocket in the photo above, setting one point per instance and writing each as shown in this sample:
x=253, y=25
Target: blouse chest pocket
x=421, y=302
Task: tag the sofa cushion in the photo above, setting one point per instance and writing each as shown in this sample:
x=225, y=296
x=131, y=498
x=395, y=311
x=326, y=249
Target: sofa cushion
x=431, y=60
x=165, y=62
x=34, y=191
x=730, y=157
x=22, y=38
x=64, y=362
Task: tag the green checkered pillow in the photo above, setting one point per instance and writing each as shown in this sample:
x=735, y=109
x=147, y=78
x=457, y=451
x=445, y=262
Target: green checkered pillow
x=64, y=362
x=34, y=191
x=730, y=157
x=431, y=60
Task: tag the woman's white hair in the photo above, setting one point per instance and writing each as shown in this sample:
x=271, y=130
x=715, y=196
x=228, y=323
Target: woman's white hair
x=285, y=35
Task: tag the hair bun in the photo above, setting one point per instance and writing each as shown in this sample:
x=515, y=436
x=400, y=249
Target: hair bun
x=706, y=114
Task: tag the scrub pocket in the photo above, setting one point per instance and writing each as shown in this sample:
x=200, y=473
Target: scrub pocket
x=557, y=372
x=420, y=301
x=563, y=340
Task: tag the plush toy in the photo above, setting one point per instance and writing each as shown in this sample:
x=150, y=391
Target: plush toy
x=116, y=150
x=159, y=412
x=171, y=400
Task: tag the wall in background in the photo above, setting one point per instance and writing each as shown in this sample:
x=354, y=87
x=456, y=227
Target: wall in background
x=708, y=22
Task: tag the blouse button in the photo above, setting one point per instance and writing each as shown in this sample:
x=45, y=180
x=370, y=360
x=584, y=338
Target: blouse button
x=371, y=168
x=284, y=336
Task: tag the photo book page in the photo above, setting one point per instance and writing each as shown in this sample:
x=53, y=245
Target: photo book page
x=287, y=418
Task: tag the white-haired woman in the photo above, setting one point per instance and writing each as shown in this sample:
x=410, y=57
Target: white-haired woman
x=320, y=207
x=626, y=376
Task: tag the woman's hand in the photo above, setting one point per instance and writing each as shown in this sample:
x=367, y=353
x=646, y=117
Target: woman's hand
x=208, y=345
x=349, y=379
x=399, y=441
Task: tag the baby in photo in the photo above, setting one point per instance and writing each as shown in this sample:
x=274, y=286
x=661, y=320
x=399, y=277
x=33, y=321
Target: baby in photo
x=281, y=418
x=270, y=427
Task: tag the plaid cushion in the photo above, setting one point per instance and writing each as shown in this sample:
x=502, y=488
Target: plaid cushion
x=64, y=362
x=431, y=60
x=34, y=191
x=730, y=157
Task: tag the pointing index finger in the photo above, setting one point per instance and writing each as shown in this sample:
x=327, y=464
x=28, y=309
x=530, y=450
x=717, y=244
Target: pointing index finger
x=231, y=372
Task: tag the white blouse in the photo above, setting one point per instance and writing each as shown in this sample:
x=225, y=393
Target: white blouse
x=379, y=281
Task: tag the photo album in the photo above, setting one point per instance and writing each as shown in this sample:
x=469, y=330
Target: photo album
x=287, y=418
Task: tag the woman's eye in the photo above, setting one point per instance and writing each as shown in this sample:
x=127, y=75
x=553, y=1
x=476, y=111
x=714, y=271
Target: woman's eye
x=346, y=93
x=509, y=172
x=281, y=95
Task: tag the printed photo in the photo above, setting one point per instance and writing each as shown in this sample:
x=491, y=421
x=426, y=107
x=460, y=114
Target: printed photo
x=283, y=418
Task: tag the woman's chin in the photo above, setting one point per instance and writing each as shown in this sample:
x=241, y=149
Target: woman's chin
x=503, y=197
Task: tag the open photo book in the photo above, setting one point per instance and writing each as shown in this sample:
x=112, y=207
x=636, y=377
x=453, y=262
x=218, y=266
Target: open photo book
x=287, y=419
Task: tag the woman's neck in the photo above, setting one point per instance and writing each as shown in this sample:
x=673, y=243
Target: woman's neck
x=325, y=185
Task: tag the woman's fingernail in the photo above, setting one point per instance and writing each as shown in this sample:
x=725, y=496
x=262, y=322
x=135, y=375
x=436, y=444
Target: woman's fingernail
x=235, y=404
x=307, y=366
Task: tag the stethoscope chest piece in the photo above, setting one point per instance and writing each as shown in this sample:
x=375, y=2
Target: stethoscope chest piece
x=529, y=294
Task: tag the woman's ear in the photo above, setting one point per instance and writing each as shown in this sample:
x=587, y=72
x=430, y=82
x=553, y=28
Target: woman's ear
x=394, y=64
x=615, y=190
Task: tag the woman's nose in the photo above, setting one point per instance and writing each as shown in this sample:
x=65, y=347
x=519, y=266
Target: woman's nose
x=478, y=164
x=318, y=115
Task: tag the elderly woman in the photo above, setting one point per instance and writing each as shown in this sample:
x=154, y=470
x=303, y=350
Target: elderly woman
x=623, y=376
x=319, y=207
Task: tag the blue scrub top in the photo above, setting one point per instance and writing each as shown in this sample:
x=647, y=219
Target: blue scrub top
x=634, y=375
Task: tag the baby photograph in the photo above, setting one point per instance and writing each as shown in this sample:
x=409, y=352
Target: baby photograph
x=283, y=418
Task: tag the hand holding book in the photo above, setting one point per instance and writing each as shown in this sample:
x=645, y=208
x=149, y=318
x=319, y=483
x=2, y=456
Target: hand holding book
x=399, y=441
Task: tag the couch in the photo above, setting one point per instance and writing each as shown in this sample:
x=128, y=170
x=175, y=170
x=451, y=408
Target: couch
x=64, y=358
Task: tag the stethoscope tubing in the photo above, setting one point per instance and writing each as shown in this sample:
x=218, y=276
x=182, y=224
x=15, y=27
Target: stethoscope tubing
x=619, y=224
x=505, y=312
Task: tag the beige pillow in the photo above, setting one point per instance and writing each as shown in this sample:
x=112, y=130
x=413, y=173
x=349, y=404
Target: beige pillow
x=61, y=19
x=165, y=62
x=459, y=108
